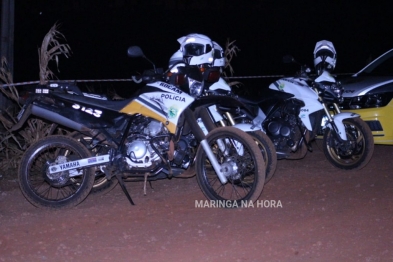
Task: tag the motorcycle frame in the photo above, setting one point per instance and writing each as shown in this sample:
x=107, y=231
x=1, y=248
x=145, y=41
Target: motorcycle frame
x=60, y=108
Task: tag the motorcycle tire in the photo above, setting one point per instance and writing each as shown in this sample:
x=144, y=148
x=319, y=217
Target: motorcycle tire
x=101, y=184
x=58, y=190
x=354, y=155
x=245, y=171
x=268, y=152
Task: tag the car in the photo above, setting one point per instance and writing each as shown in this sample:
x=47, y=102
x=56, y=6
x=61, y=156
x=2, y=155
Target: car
x=369, y=93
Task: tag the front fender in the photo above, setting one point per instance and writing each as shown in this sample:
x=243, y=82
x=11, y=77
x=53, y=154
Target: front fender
x=338, y=121
x=220, y=85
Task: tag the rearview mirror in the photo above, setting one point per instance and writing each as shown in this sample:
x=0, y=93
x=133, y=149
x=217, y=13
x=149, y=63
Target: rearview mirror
x=135, y=51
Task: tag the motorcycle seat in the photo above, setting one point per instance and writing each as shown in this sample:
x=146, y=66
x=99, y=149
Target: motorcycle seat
x=113, y=105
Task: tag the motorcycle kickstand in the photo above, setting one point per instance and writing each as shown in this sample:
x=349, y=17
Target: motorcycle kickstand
x=122, y=185
x=304, y=140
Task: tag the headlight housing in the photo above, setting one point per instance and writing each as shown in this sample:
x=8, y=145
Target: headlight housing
x=331, y=92
x=337, y=89
x=369, y=101
x=196, y=88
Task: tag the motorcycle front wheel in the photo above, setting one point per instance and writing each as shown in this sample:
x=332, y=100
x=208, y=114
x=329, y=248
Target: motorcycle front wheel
x=241, y=162
x=57, y=190
x=268, y=152
x=354, y=153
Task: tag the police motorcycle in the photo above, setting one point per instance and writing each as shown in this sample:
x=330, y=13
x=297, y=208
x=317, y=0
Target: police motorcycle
x=292, y=109
x=197, y=52
x=347, y=140
x=152, y=135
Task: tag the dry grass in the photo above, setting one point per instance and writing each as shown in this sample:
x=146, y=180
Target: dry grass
x=50, y=50
x=231, y=51
x=5, y=75
x=13, y=144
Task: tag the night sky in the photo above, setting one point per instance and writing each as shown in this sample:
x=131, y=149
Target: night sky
x=99, y=33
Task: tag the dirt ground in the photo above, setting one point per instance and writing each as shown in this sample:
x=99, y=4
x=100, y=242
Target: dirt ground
x=321, y=214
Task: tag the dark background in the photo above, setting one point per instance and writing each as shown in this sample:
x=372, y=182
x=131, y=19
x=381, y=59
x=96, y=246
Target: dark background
x=99, y=33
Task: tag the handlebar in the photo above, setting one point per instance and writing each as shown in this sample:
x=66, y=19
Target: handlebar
x=149, y=76
x=137, y=79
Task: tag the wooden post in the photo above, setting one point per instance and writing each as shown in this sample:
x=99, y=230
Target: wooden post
x=7, y=40
x=7, y=32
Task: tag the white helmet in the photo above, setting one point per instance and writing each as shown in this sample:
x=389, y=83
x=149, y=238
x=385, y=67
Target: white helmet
x=176, y=58
x=219, y=58
x=197, y=49
x=325, y=56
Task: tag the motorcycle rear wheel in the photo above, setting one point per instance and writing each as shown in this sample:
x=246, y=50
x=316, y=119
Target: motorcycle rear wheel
x=247, y=169
x=357, y=153
x=268, y=152
x=58, y=190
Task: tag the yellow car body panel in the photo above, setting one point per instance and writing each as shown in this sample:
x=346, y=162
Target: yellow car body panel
x=385, y=117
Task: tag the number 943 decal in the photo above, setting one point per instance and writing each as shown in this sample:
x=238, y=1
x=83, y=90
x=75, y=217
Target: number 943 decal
x=91, y=111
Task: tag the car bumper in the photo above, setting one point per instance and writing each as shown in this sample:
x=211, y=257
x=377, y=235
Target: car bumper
x=380, y=121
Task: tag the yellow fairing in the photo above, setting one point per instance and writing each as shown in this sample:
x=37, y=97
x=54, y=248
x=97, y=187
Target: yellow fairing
x=385, y=118
x=137, y=108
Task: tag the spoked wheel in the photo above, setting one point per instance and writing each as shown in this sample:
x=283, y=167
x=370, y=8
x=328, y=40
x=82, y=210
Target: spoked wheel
x=354, y=153
x=241, y=162
x=101, y=184
x=57, y=190
x=268, y=152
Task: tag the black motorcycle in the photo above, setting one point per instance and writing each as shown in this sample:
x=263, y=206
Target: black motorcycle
x=201, y=83
x=152, y=135
x=293, y=116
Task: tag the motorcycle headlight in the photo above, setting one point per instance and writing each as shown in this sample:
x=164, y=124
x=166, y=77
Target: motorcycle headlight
x=337, y=89
x=195, y=88
x=331, y=91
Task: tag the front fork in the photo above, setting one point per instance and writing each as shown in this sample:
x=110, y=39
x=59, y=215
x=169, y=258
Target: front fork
x=217, y=118
x=336, y=121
